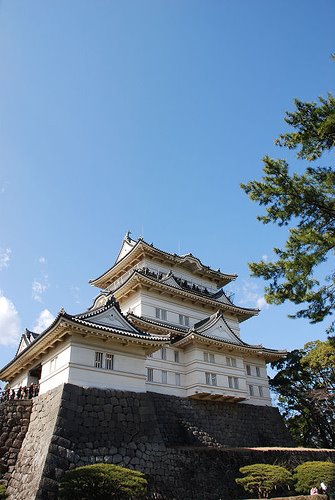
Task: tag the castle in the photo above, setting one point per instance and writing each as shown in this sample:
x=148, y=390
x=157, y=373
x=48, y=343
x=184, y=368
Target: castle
x=153, y=376
x=161, y=323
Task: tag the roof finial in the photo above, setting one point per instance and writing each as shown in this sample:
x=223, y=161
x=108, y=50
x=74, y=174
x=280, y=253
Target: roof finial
x=127, y=237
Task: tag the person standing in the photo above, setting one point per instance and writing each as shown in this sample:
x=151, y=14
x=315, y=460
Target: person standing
x=324, y=488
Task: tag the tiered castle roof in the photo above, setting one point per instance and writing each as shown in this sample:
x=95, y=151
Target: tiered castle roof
x=106, y=322
x=133, y=251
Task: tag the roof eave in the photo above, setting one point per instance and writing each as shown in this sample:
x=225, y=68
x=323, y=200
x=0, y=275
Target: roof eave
x=269, y=355
x=33, y=350
x=241, y=313
x=221, y=279
x=42, y=343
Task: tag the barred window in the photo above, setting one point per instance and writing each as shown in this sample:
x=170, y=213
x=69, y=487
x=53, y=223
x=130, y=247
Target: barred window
x=163, y=353
x=161, y=314
x=53, y=364
x=233, y=382
x=164, y=377
x=209, y=357
x=260, y=390
x=177, y=378
x=231, y=362
x=176, y=356
x=184, y=320
x=211, y=378
x=109, y=361
x=251, y=390
x=258, y=371
x=248, y=367
x=150, y=374
x=98, y=359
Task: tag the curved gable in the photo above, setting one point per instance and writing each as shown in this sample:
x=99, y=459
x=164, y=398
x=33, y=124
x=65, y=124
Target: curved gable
x=127, y=245
x=217, y=328
x=110, y=317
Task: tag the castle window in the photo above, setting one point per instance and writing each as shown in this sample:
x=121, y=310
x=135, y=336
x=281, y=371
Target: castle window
x=161, y=314
x=184, y=320
x=209, y=357
x=248, y=367
x=164, y=377
x=176, y=356
x=251, y=390
x=109, y=361
x=163, y=353
x=211, y=378
x=177, y=375
x=53, y=363
x=98, y=359
x=258, y=371
x=150, y=375
x=233, y=382
x=260, y=390
x=231, y=362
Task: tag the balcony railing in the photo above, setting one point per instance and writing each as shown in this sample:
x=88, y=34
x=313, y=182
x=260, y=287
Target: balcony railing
x=26, y=392
x=158, y=275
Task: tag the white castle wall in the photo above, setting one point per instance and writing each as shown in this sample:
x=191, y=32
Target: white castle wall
x=193, y=368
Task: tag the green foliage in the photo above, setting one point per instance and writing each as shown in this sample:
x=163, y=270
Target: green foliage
x=305, y=385
x=2, y=491
x=102, y=482
x=315, y=128
x=310, y=474
x=306, y=202
x=261, y=479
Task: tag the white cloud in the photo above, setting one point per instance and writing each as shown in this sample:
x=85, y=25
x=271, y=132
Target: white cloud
x=251, y=296
x=44, y=319
x=265, y=258
x=39, y=288
x=4, y=257
x=261, y=303
x=10, y=325
x=42, y=260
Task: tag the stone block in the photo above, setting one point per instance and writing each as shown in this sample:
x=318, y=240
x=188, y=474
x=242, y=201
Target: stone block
x=117, y=459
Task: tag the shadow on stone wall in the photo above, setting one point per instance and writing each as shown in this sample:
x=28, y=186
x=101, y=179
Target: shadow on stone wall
x=206, y=423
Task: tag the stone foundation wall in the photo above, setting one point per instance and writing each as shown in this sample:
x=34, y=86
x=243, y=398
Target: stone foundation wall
x=206, y=423
x=209, y=473
x=29, y=469
x=14, y=422
x=181, y=445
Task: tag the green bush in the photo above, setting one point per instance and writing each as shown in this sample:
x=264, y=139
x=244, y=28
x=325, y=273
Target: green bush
x=102, y=482
x=2, y=492
x=261, y=479
x=311, y=474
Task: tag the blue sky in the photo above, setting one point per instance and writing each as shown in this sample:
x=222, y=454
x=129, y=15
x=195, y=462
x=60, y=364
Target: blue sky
x=145, y=116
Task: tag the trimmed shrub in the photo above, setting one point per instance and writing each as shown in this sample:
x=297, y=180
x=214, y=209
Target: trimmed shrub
x=2, y=492
x=302, y=497
x=102, y=482
x=261, y=479
x=310, y=474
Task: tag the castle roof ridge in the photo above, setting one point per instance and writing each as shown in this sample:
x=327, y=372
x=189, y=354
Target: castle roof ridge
x=179, y=259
